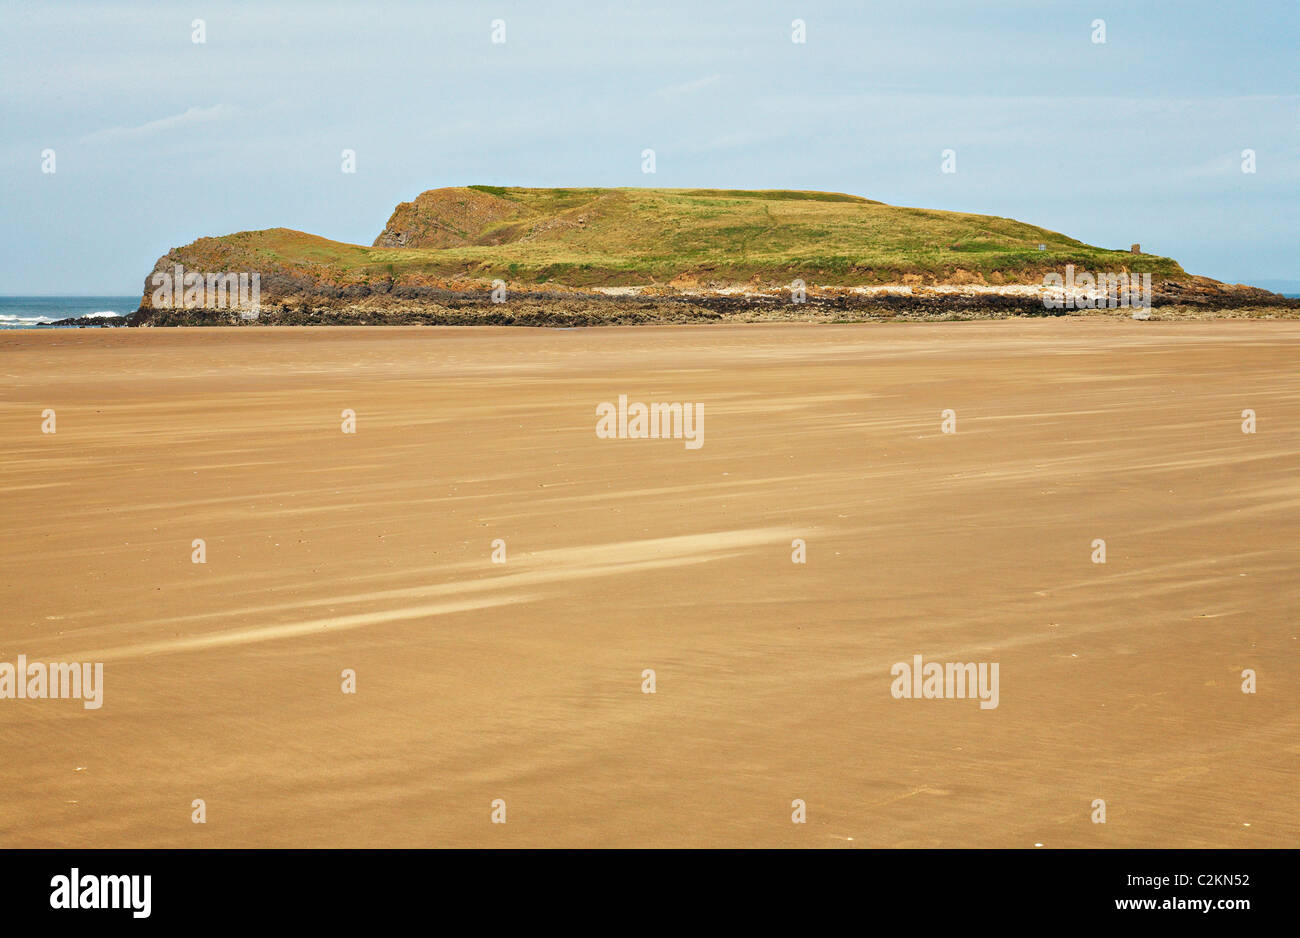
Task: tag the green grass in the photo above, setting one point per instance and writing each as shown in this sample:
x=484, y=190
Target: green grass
x=609, y=237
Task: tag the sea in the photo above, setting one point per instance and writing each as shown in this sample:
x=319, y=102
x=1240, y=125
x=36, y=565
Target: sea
x=33, y=312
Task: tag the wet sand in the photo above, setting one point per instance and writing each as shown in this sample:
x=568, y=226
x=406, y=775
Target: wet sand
x=523, y=681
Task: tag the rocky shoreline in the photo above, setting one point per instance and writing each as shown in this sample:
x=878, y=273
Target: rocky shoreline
x=444, y=307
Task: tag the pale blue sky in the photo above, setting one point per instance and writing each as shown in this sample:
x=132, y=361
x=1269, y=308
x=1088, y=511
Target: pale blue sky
x=160, y=141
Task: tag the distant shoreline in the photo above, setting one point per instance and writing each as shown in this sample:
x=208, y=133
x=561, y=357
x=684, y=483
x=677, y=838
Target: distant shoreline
x=631, y=306
x=568, y=310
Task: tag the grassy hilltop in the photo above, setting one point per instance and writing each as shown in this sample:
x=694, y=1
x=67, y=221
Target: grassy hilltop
x=671, y=238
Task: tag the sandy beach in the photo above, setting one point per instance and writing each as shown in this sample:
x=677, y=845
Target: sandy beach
x=522, y=681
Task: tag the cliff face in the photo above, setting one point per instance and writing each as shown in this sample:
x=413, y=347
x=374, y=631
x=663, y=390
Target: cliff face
x=444, y=218
x=448, y=246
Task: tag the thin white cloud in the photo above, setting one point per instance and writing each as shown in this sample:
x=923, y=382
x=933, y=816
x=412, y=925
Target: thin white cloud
x=688, y=87
x=739, y=138
x=1219, y=166
x=195, y=115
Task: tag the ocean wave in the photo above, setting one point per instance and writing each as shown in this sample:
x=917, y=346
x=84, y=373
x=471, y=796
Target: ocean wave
x=25, y=320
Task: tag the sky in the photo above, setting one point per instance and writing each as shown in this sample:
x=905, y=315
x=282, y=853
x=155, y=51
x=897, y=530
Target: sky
x=159, y=140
